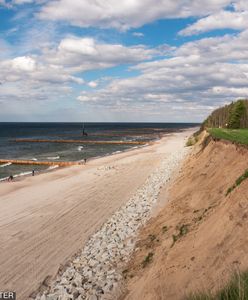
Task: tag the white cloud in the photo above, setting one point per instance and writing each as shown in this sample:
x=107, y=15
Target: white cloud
x=20, y=2
x=85, y=46
x=220, y=20
x=93, y=84
x=240, y=5
x=58, y=65
x=125, y=14
x=200, y=76
x=138, y=34
x=236, y=92
x=227, y=48
x=87, y=54
x=189, y=80
x=23, y=63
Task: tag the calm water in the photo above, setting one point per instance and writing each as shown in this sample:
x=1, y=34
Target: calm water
x=71, y=152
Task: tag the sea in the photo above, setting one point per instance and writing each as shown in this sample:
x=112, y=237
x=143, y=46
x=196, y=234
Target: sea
x=10, y=149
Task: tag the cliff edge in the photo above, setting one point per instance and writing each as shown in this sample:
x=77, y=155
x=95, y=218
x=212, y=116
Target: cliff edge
x=200, y=237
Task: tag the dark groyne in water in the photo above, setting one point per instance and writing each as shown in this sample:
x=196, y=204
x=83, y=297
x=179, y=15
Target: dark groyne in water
x=44, y=163
x=81, y=141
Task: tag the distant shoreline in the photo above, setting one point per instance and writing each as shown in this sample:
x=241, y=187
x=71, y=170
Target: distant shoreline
x=23, y=175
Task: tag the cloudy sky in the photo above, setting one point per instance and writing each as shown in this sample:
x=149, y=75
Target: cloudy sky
x=128, y=60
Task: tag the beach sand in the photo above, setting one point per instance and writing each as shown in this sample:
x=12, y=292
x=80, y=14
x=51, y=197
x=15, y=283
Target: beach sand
x=46, y=219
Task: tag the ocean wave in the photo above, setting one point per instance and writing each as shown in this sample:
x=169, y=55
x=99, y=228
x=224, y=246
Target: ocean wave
x=16, y=175
x=117, y=152
x=4, y=179
x=53, y=167
x=34, y=159
x=80, y=148
x=53, y=157
x=5, y=165
x=23, y=174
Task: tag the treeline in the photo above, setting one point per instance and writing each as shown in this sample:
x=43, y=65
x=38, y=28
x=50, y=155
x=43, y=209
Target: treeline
x=234, y=115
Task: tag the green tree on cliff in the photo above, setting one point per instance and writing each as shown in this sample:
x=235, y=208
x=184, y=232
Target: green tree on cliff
x=234, y=115
x=237, y=111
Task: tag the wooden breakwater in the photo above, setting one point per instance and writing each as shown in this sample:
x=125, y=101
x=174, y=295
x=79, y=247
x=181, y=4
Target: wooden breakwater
x=81, y=142
x=45, y=163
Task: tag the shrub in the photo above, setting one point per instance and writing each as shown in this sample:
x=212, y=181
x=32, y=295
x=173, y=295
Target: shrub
x=183, y=230
x=191, y=141
x=147, y=259
x=235, y=289
x=238, y=182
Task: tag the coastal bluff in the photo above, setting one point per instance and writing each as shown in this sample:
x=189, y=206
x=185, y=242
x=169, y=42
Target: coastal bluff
x=199, y=239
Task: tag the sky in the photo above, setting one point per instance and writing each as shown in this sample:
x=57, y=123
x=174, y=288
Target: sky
x=121, y=61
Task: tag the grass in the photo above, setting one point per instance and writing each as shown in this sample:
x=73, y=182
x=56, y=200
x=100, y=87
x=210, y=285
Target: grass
x=235, y=289
x=192, y=140
x=239, y=136
x=238, y=182
x=147, y=259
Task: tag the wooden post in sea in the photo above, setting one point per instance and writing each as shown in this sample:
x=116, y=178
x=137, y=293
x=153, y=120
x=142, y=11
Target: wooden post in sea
x=45, y=163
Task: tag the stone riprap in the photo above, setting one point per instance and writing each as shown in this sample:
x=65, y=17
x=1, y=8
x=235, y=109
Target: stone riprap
x=96, y=273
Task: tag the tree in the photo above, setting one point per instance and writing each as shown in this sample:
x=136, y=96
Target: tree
x=236, y=113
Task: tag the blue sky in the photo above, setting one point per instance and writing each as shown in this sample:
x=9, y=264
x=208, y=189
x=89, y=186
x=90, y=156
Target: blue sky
x=138, y=60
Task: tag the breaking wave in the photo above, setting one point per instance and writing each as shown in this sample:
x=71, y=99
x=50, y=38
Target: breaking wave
x=5, y=165
x=53, y=157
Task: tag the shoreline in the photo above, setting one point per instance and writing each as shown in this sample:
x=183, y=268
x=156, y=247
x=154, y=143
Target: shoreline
x=52, y=216
x=23, y=175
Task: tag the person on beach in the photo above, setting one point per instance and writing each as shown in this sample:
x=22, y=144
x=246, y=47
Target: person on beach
x=85, y=161
x=11, y=178
x=32, y=172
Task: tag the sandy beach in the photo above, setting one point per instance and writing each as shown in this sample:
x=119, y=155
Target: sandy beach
x=46, y=219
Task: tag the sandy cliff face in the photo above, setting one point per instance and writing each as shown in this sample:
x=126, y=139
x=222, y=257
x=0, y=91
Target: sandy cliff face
x=210, y=229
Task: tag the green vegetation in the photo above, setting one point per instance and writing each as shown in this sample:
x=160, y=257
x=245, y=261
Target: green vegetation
x=236, y=289
x=191, y=141
x=238, y=182
x=234, y=115
x=147, y=259
x=237, y=112
x=239, y=136
x=183, y=230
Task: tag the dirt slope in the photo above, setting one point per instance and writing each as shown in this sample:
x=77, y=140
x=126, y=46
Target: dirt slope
x=214, y=229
